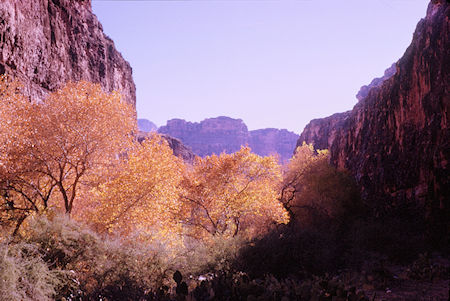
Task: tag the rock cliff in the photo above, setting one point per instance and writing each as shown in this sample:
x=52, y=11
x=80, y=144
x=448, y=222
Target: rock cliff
x=376, y=82
x=225, y=134
x=214, y=135
x=322, y=132
x=396, y=140
x=271, y=141
x=45, y=43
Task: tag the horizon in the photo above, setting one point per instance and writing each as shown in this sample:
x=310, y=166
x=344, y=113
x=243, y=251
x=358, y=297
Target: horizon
x=266, y=62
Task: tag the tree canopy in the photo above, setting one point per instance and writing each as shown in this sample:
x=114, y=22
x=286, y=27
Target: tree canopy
x=50, y=148
x=232, y=193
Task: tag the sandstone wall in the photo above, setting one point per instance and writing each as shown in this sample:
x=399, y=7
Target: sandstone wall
x=48, y=42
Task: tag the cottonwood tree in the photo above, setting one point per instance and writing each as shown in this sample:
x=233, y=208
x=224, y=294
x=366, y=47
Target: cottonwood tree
x=51, y=147
x=141, y=195
x=17, y=198
x=315, y=192
x=232, y=193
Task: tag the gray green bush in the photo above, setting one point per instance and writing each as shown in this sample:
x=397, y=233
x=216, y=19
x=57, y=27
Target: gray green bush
x=24, y=275
x=60, y=259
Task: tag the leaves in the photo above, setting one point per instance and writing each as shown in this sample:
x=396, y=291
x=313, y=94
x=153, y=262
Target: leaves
x=141, y=194
x=232, y=193
x=314, y=191
x=75, y=151
x=50, y=149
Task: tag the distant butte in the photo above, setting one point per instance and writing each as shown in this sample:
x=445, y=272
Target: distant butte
x=225, y=134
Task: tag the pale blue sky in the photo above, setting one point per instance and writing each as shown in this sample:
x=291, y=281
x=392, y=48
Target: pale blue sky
x=273, y=63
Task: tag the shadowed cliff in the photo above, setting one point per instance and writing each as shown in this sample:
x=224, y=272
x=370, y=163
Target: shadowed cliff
x=395, y=141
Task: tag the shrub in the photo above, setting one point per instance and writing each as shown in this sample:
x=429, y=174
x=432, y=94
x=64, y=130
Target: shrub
x=97, y=267
x=24, y=275
x=324, y=204
x=211, y=256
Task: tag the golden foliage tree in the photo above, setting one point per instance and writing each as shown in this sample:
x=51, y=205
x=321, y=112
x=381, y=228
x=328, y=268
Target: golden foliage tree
x=56, y=144
x=232, y=193
x=141, y=195
x=17, y=198
x=313, y=191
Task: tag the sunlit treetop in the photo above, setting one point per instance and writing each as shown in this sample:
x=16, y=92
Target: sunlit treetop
x=231, y=194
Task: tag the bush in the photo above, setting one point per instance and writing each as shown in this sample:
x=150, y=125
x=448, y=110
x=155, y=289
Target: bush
x=24, y=275
x=324, y=205
x=97, y=267
x=211, y=256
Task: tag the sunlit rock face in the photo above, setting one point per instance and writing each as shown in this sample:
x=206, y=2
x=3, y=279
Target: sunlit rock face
x=225, y=134
x=46, y=43
x=396, y=139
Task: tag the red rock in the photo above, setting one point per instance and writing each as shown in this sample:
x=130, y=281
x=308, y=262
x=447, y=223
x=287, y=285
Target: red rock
x=46, y=43
x=395, y=141
x=225, y=134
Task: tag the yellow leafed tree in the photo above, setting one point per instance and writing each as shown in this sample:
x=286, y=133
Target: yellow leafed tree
x=142, y=195
x=51, y=148
x=314, y=192
x=298, y=168
x=17, y=198
x=231, y=194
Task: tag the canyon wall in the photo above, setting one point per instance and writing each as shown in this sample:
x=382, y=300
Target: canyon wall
x=213, y=135
x=272, y=141
x=46, y=43
x=225, y=134
x=396, y=140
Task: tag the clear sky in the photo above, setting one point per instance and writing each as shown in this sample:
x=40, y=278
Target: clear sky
x=274, y=63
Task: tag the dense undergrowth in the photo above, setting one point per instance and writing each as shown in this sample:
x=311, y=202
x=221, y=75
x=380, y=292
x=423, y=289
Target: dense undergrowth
x=60, y=259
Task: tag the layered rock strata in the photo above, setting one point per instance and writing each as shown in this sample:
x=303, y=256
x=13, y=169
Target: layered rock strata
x=225, y=134
x=272, y=141
x=46, y=43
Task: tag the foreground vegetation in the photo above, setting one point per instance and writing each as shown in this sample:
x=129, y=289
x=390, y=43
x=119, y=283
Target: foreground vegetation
x=88, y=213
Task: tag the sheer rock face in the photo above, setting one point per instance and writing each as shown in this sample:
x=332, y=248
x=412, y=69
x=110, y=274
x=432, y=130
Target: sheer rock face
x=322, y=132
x=396, y=140
x=46, y=43
x=225, y=134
